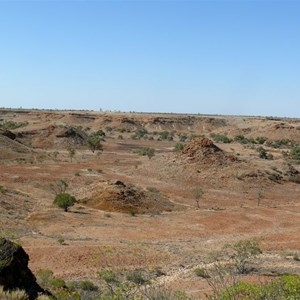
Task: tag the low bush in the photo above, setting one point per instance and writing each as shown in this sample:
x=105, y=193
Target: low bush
x=220, y=138
x=178, y=147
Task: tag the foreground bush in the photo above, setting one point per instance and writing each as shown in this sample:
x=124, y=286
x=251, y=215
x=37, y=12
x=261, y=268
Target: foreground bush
x=286, y=287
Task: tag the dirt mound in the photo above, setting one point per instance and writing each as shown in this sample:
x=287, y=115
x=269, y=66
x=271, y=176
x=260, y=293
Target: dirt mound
x=14, y=271
x=203, y=150
x=120, y=197
x=11, y=149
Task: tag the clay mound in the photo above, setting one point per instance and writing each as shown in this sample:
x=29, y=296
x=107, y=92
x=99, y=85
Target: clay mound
x=203, y=150
x=118, y=197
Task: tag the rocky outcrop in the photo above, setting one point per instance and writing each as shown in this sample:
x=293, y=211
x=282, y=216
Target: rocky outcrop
x=14, y=271
x=8, y=134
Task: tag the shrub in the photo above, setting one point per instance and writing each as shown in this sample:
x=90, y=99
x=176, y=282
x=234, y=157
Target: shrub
x=2, y=189
x=136, y=277
x=201, y=272
x=241, y=139
x=295, y=153
x=72, y=152
x=146, y=151
x=220, y=138
x=287, y=287
x=44, y=276
x=178, y=147
x=87, y=285
x=241, y=252
x=263, y=153
x=94, y=143
x=198, y=193
x=64, y=200
x=260, y=140
x=59, y=186
x=57, y=283
x=13, y=295
x=61, y=240
x=182, y=137
x=294, y=178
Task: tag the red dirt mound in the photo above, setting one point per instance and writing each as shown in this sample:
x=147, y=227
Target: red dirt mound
x=127, y=198
x=203, y=150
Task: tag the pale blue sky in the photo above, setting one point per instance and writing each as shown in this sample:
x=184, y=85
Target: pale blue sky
x=218, y=57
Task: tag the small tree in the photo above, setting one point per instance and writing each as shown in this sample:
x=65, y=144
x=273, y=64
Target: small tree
x=241, y=252
x=64, y=200
x=59, y=186
x=72, y=152
x=260, y=196
x=198, y=193
x=94, y=143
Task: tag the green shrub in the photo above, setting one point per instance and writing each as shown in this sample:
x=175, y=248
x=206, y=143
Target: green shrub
x=201, y=272
x=12, y=125
x=87, y=285
x=294, y=178
x=2, y=189
x=146, y=151
x=64, y=200
x=178, y=147
x=287, y=287
x=263, y=153
x=242, y=252
x=94, y=143
x=61, y=240
x=295, y=153
x=57, y=283
x=182, y=137
x=220, y=138
x=241, y=139
x=44, y=276
x=136, y=277
x=260, y=140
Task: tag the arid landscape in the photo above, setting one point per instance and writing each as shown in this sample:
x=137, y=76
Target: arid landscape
x=154, y=192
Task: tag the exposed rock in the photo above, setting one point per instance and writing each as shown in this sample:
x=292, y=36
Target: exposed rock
x=14, y=271
x=8, y=134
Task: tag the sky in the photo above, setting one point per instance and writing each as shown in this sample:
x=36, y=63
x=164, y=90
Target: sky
x=210, y=57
